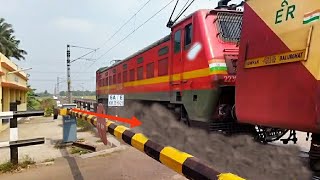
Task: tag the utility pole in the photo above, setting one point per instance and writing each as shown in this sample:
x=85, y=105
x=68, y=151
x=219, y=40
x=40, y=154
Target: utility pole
x=68, y=73
x=58, y=91
x=69, y=64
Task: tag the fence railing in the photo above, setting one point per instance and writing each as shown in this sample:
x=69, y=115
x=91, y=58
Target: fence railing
x=14, y=143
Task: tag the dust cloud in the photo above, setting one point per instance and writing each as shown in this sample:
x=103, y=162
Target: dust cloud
x=237, y=154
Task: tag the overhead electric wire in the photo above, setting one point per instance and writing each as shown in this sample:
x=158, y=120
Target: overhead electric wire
x=123, y=25
x=180, y=13
x=131, y=33
x=95, y=50
x=82, y=47
x=84, y=55
x=183, y=7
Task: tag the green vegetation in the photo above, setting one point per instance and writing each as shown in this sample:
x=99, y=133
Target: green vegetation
x=9, y=45
x=48, y=160
x=44, y=94
x=9, y=167
x=77, y=150
x=79, y=93
x=32, y=102
x=35, y=103
x=47, y=105
x=83, y=125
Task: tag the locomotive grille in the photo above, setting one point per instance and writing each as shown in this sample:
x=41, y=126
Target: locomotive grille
x=229, y=26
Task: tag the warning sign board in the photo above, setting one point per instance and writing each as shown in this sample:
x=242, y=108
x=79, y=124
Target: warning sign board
x=116, y=100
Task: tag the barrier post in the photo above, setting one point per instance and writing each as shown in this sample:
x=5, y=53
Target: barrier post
x=13, y=134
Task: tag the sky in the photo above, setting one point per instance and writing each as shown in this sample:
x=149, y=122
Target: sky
x=46, y=27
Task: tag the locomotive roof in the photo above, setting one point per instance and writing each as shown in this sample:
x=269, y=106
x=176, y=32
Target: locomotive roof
x=164, y=39
x=160, y=41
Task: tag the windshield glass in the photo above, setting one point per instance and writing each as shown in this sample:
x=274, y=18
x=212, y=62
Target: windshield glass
x=229, y=26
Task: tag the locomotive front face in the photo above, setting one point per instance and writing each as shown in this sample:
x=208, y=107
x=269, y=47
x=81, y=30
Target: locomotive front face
x=279, y=68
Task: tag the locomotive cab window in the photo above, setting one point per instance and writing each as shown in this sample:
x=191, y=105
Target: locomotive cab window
x=188, y=36
x=177, y=41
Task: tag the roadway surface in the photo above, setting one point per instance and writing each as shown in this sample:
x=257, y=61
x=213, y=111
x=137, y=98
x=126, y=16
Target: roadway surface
x=127, y=163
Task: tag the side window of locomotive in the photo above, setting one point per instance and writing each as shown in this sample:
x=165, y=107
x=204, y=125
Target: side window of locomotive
x=110, y=80
x=119, y=77
x=114, y=79
x=131, y=74
x=177, y=41
x=188, y=36
x=125, y=76
x=140, y=73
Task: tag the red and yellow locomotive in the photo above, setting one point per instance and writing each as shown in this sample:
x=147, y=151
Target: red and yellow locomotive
x=192, y=70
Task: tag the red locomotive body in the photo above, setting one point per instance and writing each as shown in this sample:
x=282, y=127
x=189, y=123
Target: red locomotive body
x=192, y=70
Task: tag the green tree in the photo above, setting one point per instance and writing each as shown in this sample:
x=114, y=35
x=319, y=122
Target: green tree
x=9, y=45
x=32, y=102
x=47, y=105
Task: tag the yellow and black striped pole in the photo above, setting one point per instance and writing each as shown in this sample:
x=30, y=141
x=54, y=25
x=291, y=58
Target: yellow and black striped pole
x=181, y=162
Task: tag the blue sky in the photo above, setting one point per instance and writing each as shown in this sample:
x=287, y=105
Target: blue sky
x=46, y=27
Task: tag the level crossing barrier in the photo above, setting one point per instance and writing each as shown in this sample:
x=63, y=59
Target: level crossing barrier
x=14, y=143
x=181, y=162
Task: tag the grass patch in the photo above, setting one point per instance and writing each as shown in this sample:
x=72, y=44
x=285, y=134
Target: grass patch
x=48, y=160
x=83, y=125
x=9, y=167
x=77, y=150
x=81, y=139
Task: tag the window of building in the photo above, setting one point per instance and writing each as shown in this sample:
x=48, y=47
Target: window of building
x=131, y=78
x=119, y=77
x=125, y=76
x=163, y=51
x=107, y=81
x=150, y=70
x=163, y=67
x=177, y=41
x=188, y=36
x=140, y=73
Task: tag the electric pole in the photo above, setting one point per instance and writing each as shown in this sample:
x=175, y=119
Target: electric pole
x=58, y=91
x=69, y=64
x=68, y=73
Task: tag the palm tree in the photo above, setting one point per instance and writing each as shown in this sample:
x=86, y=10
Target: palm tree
x=9, y=45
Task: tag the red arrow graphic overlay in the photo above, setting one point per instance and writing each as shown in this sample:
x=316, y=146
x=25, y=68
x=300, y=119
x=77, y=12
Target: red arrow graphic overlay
x=133, y=121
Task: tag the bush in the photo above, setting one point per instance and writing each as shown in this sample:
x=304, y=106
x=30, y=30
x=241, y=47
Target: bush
x=47, y=105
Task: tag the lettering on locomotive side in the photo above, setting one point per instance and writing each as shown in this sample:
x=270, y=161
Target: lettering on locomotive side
x=254, y=62
x=270, y=60
x=293, y=56
x=287, y=10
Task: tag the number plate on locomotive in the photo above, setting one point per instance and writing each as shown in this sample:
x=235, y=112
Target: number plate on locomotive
x=229, y=79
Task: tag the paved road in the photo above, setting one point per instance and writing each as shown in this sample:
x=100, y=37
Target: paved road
x=125, y=164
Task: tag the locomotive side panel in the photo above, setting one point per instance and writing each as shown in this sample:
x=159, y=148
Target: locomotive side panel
x=141, y=77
